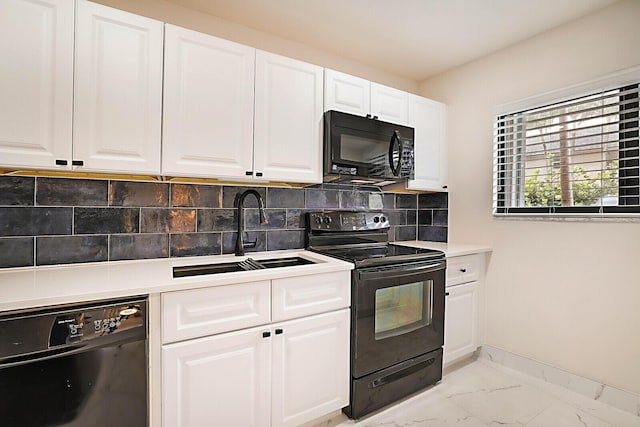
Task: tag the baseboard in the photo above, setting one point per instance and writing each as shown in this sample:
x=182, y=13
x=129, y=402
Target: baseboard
x=620, y=399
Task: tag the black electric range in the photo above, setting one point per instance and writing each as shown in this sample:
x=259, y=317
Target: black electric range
x=397, y=307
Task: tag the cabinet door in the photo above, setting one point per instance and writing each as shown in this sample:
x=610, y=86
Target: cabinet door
x=36, y=82
x=118, y=90
x=288, y=120
x=389, y=104
x=310, y=367
x=346, y=93
x=429, y=120
x=220, y=380
x=461, y=321
x=208, y=105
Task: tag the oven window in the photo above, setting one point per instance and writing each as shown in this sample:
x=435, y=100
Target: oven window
x=404, y=308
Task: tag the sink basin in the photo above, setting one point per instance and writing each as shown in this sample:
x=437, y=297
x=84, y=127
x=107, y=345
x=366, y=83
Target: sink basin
x=283, y=262
x=200, y=270
x=230, y=267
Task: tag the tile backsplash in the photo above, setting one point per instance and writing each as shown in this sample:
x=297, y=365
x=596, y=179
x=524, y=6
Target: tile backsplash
x=46, y=221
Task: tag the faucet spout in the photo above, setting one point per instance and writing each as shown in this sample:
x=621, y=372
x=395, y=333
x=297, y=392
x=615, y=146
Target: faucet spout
x=239, y=204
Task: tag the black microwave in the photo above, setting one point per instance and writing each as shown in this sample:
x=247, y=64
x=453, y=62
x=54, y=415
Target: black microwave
x=365, y=150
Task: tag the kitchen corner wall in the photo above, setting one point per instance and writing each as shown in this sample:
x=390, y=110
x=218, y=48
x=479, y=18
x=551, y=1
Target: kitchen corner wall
x=562, y=293
x=46, y=221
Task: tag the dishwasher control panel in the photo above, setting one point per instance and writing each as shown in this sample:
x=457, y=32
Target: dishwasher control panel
x=70, y=327
x=81, y=325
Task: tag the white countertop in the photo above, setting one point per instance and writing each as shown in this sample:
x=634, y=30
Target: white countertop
x=28, y=287
x=450, y=249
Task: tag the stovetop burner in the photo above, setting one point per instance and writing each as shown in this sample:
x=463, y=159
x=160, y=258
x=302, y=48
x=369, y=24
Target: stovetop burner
x=361, y=238
x=380, y=255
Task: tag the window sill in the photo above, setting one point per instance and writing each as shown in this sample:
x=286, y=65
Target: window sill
x=618, y=218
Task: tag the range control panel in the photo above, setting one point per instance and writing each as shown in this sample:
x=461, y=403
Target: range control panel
x=348, y=221
x=82, y=325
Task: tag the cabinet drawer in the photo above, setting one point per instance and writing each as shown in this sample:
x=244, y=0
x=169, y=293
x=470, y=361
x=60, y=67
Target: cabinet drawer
x=304, y=295
x=463, y=269
x=199, y=312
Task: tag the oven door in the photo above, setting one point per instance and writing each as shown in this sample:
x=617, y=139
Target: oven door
x=398, y=314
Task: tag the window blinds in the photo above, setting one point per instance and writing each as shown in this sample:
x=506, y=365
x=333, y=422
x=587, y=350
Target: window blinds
x=576, y=156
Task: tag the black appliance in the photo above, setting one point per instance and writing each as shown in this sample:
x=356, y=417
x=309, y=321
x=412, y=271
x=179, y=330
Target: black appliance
x=365, y=150
x=75, y=365
x=397, y=307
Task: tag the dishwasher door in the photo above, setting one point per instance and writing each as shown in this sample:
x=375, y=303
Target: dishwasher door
x=75, y=366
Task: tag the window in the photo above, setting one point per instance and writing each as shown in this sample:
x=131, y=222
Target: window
x=576, y=156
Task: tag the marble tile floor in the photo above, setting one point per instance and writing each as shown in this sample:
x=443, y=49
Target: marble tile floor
x=482, y=393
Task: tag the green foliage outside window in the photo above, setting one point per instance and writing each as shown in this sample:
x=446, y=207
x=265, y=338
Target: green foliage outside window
x=588, y=189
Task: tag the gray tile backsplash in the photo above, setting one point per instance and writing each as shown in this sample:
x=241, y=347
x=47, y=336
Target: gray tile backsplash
x=35, y=221
x=71, y=249
x=16, y=251
x=47, y=221
x=72, y=192
x=17, y=191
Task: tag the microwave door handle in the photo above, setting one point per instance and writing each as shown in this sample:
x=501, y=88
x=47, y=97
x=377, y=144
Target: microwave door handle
x=395, y=138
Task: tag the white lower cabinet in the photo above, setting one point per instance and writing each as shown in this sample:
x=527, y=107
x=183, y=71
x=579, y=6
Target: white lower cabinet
x=465, y=278
x=461, y=312
x=288, y=366
x=310, y=368
x=218, y=380
x=280, y=375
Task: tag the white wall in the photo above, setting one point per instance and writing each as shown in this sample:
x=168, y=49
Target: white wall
x=563, y=293
x=174, y=14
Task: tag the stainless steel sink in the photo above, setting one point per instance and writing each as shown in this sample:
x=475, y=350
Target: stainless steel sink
x=284, y=262
x=201, y=270
x=230, y=267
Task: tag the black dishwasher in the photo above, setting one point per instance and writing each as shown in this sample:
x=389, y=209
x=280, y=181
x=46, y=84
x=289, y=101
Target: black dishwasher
x=75, y=365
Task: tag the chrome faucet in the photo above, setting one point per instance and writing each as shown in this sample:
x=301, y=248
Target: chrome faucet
x=239, y=204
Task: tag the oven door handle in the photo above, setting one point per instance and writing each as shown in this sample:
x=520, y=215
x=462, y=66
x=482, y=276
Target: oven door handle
x=400, y=270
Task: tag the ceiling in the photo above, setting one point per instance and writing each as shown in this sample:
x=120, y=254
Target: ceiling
x=413, y=39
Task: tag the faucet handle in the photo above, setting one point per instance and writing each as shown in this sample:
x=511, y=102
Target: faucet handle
x=249, y=243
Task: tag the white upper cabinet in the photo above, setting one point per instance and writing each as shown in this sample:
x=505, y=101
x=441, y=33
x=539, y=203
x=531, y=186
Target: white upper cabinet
x=428, y=118
x=389, y=104
x=118, y=90
x=355, y=95
x=208, y=105
x=346, y=93
x=87, y=87
x=288, y=119
x=36, y=82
